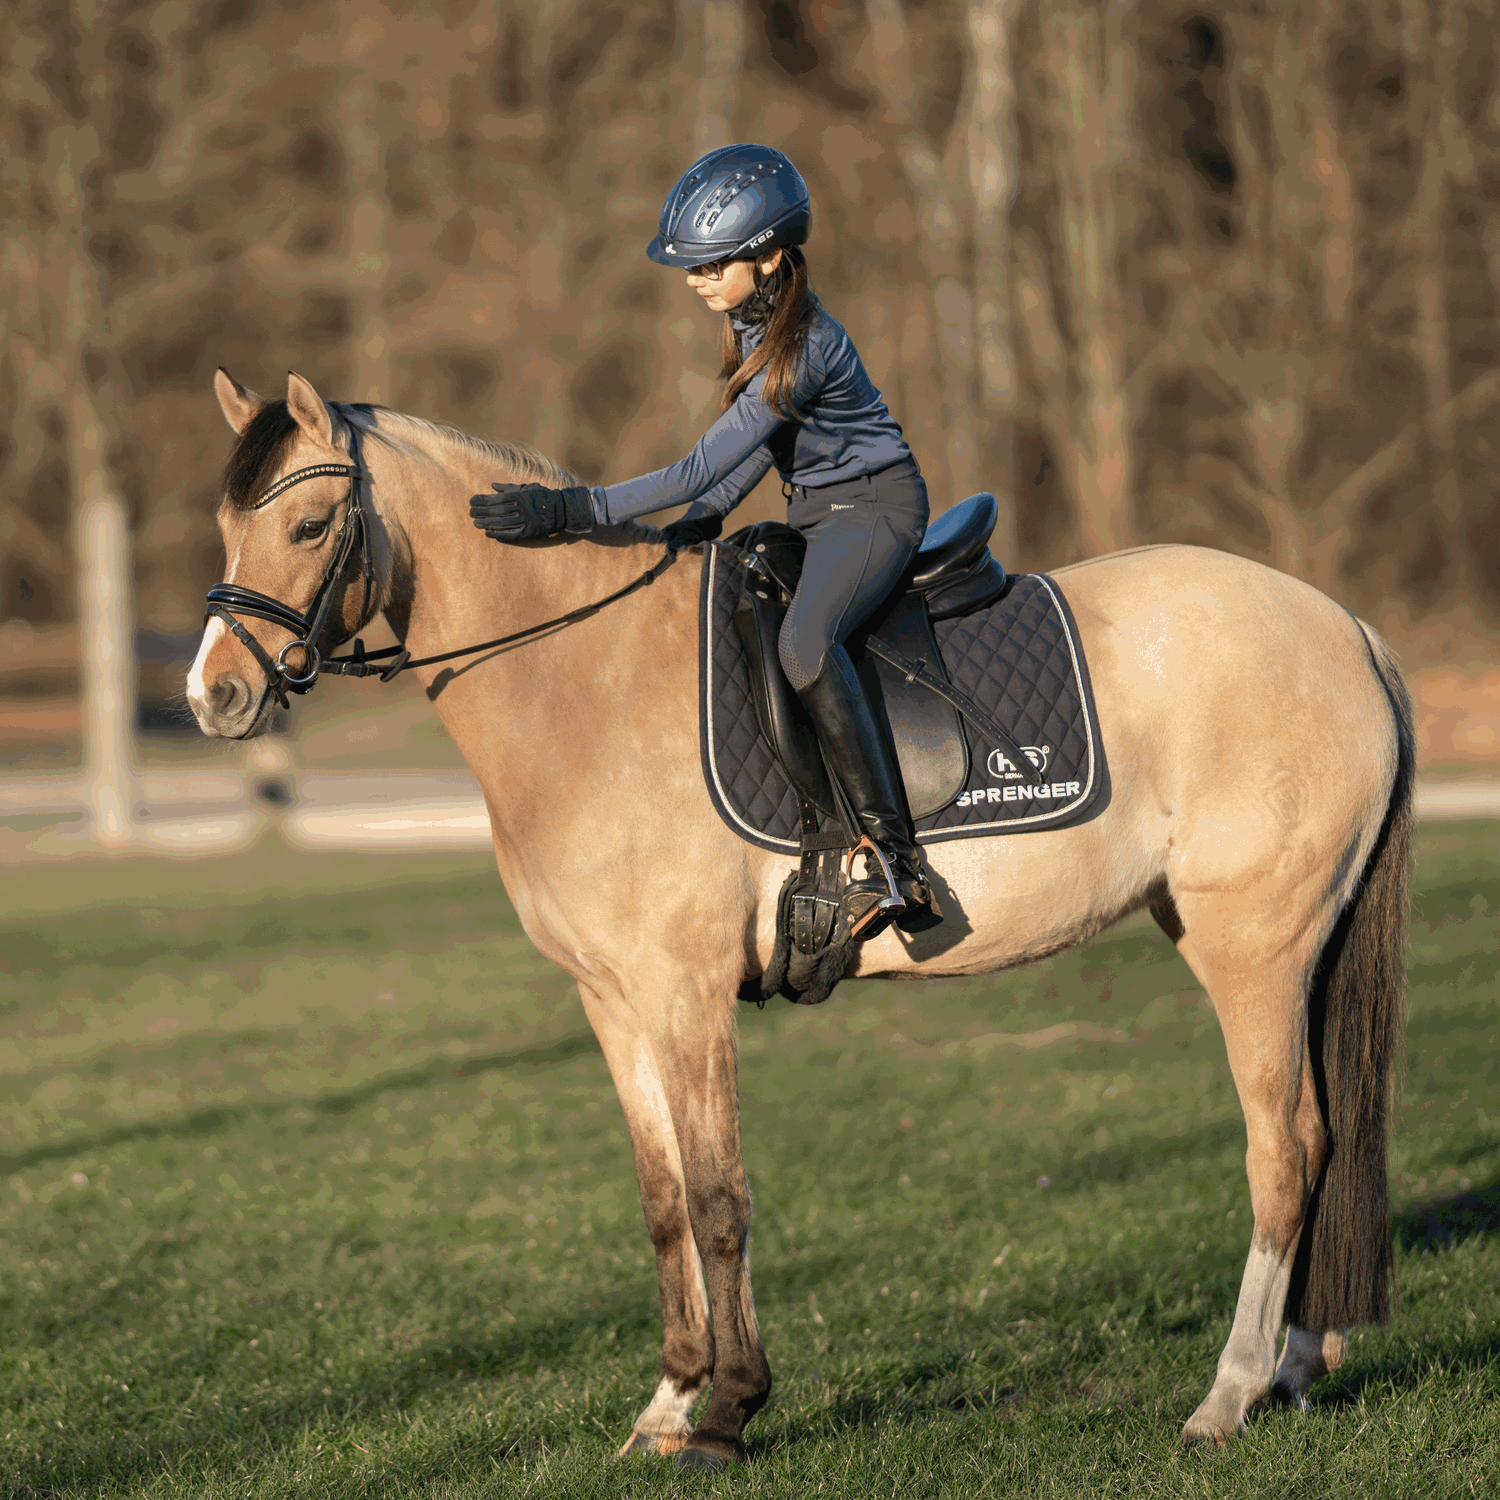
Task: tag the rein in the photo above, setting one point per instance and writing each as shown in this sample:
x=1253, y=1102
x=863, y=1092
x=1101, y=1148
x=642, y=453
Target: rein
x=226, y=600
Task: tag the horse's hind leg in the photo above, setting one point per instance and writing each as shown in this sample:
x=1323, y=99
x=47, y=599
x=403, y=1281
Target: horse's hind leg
x=1309, y=1356
x=1257, y=973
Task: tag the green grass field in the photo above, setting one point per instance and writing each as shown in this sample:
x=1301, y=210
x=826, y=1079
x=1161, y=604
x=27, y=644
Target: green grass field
x=317, y=1186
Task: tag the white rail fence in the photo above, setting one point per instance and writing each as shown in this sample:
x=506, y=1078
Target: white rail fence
x=115, y=805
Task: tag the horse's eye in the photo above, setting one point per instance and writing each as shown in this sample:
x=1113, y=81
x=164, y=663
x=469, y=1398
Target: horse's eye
x=310, y=531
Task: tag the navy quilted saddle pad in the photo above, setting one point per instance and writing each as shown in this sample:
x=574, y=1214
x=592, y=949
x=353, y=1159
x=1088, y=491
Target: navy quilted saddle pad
x=1019, y=659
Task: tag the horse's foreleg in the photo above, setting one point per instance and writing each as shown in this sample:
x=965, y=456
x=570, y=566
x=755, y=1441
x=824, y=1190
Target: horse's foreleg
x=1258, y=983
x=694, y=1058
x=687, y=1358
x=719, y=1205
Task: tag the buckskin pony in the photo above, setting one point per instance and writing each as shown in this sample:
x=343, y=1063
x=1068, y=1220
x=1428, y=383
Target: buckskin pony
x=1260, y=749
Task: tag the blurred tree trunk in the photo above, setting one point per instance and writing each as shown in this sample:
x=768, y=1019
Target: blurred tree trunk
x=1428, y=44
x=938, y=333
x=55, y=335
x=1091, y=70
x=723, y=27
x=993, y=176
x=687, y=348
x=1291, y=266
x=368, y=262
x=1259, y=314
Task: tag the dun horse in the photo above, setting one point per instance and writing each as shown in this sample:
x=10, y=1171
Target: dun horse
x=1260, y=747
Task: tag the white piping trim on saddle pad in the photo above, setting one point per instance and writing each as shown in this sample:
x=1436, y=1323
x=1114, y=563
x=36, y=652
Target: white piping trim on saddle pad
x=931, y=835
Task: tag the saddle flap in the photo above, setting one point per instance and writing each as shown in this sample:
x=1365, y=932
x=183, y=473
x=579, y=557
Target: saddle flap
x=782, y=719
x=928, y=732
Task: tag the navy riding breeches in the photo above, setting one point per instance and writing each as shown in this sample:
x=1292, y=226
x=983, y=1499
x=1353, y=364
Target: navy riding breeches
x=861, y=535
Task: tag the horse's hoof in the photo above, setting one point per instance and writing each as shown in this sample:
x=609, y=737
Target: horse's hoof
x=713, y=1454
x=1202, y=1437
x=653, y=1442
x=1205, y=1434
x=1219, y=1420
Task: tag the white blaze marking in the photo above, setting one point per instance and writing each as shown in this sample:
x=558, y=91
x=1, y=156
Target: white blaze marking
x=197, y=689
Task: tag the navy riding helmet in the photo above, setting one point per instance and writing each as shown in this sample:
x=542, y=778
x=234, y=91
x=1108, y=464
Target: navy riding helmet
x=733, y=203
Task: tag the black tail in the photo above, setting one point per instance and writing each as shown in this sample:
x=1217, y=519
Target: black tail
x=1343, y=1272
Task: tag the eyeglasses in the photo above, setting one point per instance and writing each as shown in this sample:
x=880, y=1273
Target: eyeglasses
x=713, y=271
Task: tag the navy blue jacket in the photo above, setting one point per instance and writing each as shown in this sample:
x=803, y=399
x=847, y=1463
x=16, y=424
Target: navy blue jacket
x=845, y=431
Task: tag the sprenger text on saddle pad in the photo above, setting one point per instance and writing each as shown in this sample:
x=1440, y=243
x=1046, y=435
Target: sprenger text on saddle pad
x=1058, y=791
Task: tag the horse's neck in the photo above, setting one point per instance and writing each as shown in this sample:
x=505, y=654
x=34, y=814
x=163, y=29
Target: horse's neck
x=536, y=721
x=466, y=587
x=451, y=580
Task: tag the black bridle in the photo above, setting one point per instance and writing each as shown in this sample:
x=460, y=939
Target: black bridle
x=226, y=600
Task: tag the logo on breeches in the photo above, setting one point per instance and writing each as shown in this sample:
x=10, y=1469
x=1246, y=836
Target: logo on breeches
x=1002, y=768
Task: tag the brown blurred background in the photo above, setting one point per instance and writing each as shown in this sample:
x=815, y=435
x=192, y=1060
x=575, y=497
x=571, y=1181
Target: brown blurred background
x=1226, y=275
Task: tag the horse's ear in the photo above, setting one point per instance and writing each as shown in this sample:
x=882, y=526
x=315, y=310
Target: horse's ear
x=240, y=407
x=306, y=407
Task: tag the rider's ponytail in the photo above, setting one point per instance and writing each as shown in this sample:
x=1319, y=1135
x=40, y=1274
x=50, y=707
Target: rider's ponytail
x=791, y=315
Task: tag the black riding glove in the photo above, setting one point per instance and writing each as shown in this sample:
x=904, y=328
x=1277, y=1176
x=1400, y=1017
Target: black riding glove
x=688, y=533
x=522, y=512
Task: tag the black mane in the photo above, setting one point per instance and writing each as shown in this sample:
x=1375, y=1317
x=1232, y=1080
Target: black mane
x=263, y=445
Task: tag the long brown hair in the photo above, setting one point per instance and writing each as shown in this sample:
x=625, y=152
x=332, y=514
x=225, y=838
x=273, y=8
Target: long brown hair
x=792, y=314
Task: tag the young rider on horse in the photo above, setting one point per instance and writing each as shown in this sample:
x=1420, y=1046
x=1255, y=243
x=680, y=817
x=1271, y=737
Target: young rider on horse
x=797, y=396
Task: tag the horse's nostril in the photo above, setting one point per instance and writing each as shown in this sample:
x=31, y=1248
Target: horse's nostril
x=229, y=696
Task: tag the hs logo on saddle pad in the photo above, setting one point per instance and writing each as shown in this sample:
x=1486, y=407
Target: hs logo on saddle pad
x=1002, y=768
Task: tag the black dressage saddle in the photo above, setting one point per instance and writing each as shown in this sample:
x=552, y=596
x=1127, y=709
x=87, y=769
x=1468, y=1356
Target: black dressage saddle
x=895, y=653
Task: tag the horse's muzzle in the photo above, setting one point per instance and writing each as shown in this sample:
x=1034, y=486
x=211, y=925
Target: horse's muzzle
x=230, y=709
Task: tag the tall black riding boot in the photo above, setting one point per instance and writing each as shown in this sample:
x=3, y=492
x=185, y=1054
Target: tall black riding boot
x=859, y=753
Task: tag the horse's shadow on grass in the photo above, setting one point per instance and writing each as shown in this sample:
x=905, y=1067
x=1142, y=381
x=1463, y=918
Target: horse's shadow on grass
x=213, y=1118
x=257, y=1426
x=1404, y=1371
x=1431, y=1227
x=925, y=1389
x=1449, y=1221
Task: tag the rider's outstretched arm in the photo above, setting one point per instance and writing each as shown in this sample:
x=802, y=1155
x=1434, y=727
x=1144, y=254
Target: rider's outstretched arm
x=727, y=462
x=723, y=497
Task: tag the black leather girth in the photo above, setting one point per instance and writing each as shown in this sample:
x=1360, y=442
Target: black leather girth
x=819, y=882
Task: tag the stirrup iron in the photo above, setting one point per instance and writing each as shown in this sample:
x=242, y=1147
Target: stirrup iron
x=889, y=905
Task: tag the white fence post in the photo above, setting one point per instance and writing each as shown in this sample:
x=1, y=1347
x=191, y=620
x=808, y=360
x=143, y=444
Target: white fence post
x=106, y=623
